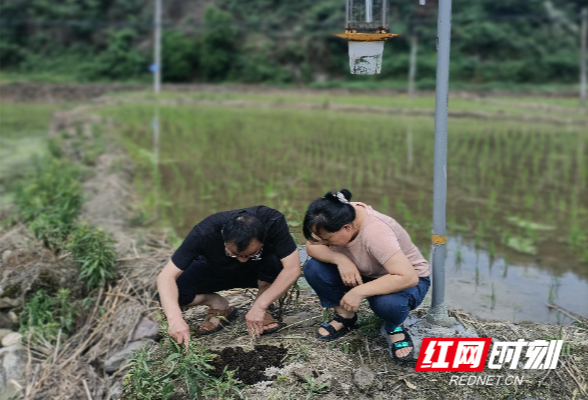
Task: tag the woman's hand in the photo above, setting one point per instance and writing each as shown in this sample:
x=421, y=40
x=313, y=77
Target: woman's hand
x=349, y=272
x=351, y=300
x=180, y=331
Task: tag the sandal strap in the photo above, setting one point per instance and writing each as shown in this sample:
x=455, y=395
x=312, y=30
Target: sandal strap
x=347, y=322
x=398, y=329
x=329, y=328
x=401, y=345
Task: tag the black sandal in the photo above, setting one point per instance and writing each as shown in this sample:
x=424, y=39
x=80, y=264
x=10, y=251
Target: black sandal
x=401, y=344
x=348, y=325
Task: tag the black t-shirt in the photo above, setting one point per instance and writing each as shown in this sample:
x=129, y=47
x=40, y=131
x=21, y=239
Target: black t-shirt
x=205, y=239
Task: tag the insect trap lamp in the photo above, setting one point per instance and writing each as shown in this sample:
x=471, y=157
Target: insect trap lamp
x=366, y=32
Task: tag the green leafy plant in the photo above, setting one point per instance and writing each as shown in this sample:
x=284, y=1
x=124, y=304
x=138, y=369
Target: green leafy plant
x=150, y=378
x=49, y=199
x=369, y=325
x=312, y=387
x=43, y=316
x=92, y=248
x=298, y=353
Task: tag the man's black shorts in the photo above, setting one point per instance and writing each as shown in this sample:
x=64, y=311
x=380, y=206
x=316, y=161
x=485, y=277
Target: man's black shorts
x=201, y=278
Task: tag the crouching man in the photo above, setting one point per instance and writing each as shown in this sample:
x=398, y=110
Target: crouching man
x=248, y=248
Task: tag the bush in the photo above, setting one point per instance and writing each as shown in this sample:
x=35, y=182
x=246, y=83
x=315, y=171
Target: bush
x=120, y=60
x=179, y=57
x=92, y=249
x=49, y=199
x=217, y=51
x=44, y=316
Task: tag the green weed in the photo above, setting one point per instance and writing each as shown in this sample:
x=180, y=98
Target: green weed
x=92, y=249
x=49, y=200
x=43, y=316
x=369, y=325
x=149, y=378
x=312, y=388
x=298, y=353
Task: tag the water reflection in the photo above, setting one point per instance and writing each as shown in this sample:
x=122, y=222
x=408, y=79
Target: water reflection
x=501, y=290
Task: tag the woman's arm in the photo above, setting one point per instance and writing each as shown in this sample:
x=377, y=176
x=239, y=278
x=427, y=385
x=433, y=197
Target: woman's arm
x=347, y=269
x=401, y=275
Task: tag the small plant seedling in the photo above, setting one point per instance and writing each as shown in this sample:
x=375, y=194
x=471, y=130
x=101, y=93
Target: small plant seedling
x=312, y=387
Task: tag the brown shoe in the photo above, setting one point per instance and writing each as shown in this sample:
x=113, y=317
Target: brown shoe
x=224, y=316
x=268, y=319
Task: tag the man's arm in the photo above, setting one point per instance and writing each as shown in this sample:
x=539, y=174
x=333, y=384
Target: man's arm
x=168, y=295
x=290, y=273
x=285, y=279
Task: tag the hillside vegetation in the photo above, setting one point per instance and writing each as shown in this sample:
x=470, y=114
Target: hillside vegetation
x=533, y=42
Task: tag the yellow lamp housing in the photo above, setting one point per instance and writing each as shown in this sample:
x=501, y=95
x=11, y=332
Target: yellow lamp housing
x=366, y=32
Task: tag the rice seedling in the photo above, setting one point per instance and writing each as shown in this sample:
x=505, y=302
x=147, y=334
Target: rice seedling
x=509, y=164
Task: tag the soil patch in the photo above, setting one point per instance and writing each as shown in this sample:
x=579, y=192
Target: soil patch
x=250, y=365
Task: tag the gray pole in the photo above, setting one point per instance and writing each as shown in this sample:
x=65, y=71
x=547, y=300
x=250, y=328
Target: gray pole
x=583, y=39
x=438, y=313
x=157, y=47
x=414, y=43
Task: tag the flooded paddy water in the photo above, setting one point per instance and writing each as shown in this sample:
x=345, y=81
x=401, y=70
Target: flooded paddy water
x=517, y=210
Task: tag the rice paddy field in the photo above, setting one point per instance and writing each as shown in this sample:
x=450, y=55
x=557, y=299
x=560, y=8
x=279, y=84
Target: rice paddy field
x=517, y=210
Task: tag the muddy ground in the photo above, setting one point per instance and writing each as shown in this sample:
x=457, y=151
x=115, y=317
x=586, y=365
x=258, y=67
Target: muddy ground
x=295, y=365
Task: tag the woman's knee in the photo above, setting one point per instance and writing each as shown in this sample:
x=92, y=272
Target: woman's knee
x=392, y=306
x=313, y=270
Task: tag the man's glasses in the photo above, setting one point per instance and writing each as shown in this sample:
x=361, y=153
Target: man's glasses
x=255, y=257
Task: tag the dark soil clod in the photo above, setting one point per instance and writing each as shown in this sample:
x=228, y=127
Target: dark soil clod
x=250, y=365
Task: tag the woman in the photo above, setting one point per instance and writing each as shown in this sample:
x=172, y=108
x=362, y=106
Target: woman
x=358, y=253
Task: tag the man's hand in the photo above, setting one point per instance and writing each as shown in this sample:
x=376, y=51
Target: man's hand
x=351, y=300
x=254, y=319
x=349, y=272
x=180, y=331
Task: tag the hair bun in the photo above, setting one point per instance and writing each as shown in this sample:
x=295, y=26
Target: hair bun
x=341, y=197
x=346, y=193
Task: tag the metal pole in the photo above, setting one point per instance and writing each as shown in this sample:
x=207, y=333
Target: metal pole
x=438, y=312
x=157, y=47
x=414, y=44
x=583, y=39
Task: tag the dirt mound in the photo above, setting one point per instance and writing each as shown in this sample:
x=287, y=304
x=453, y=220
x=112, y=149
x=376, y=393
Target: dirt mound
x=250, y=365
